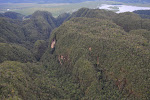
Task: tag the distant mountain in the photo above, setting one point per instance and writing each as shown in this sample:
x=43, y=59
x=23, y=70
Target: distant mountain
x=143, y=13
x=13, y=15
x=93, y=13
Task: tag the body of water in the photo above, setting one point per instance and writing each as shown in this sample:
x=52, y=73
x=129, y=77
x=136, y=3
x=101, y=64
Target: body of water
x=122, y=8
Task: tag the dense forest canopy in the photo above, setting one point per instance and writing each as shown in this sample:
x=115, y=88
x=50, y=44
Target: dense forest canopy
x=91, y=54
x=143, y=13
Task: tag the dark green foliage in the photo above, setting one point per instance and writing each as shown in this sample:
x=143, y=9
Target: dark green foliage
x=104, y=60
x=143, y=13
x=61, y=18
x=98, y=56
x=143, y=33
x=129, y=21
x=14, y=52
x=39, y=48
x=93, y=13
x=28, y=31
x=14, y=81
x=13, y=15
x=39, y=26
x=10, y=30
x=144, y=16
x=146, y=24
x=26, y=81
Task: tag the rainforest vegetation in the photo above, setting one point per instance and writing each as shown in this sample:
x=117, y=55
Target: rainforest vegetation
x=91, y=54
x=143, y=13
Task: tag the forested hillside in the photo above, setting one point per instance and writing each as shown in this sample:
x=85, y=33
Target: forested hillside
x=93, y=13
x=91, y=54
x=12, y=15
x=143, y=13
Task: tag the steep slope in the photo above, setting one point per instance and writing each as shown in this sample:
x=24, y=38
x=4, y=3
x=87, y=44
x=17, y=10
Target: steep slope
x=13, y=15
x=12, y=52
x=39, y=49
x=99, y=57
x=36, y=27
x=61, y=18
x=10, y=31
x=131, y=21
x=27, y=32
x=143, y=13
x=39, y=26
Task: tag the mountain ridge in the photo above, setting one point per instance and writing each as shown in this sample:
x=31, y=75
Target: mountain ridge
x=92, y=54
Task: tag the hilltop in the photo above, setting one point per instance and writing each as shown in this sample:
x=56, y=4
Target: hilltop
x=98, y=53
